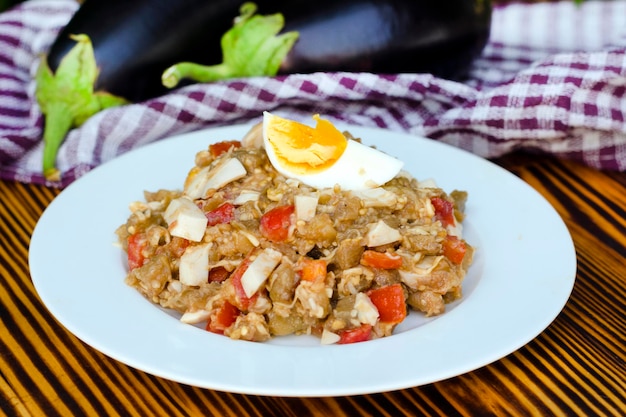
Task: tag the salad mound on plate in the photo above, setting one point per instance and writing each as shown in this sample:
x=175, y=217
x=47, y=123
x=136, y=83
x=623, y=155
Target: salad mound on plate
x=262, y=242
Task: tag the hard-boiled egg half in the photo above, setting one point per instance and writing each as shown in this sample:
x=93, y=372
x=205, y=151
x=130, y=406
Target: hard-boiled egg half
x=323, y=157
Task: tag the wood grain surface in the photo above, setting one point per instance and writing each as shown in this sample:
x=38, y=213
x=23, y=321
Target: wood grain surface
x=576, y=367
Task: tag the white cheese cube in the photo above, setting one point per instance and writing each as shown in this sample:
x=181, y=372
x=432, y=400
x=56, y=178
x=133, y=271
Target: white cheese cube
x=377, y=197
x=381, y=234
x=193, y=317
x=329, y=338
x=305, y=206
x=194, y=265
x=456, y=229
x=427, y=183
x=246, y=196
x=367, y=313
x=214, y=177
x=185, y=219
x=259, y=270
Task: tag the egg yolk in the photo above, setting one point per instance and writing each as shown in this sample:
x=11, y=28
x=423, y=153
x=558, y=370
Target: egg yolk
x=304, y=149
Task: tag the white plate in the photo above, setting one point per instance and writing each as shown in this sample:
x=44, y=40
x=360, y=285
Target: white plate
x=523, y=274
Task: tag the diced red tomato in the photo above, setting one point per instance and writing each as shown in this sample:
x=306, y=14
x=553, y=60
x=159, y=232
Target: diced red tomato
x=390, y=303
x=381, y=260
x=218, y=274
x=225, y=213
x=312, y=269
x=220, y=148
x=276, y=222
x=444, y=211
x=223, y=318
x=137, y=243
x=454, y=249
x=242, y=299
x=359, y=334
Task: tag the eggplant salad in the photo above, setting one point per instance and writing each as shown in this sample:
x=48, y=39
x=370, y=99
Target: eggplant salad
x=257, y=246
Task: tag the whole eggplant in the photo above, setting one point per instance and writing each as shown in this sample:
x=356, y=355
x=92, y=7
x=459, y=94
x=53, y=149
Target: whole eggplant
x=135, y=40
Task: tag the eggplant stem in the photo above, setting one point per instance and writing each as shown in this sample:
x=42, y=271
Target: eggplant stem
x=58, y=121
x=200, y=73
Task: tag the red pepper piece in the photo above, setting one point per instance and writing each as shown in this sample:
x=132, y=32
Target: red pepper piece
x=454, y=249
x=275, y=223
x=359, y=334
x=444, y=211
x=381, y=260
x=225, y=213
x=390, y=303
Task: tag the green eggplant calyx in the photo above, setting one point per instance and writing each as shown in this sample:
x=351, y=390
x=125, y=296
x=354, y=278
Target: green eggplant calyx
x=252, y=47
x=67, y=98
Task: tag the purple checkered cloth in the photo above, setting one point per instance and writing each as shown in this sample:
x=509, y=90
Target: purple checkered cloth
x=552, y=79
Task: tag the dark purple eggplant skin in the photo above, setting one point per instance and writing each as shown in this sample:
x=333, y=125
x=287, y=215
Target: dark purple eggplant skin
x=441, y=37
x=136, y=40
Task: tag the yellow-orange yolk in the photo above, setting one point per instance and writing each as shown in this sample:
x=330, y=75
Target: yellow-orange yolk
x=304, y=149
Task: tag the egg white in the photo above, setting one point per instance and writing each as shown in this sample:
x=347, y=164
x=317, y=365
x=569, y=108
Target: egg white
x=359, y=167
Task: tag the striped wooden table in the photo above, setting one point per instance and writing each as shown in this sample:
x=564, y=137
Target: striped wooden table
x=576, y=367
